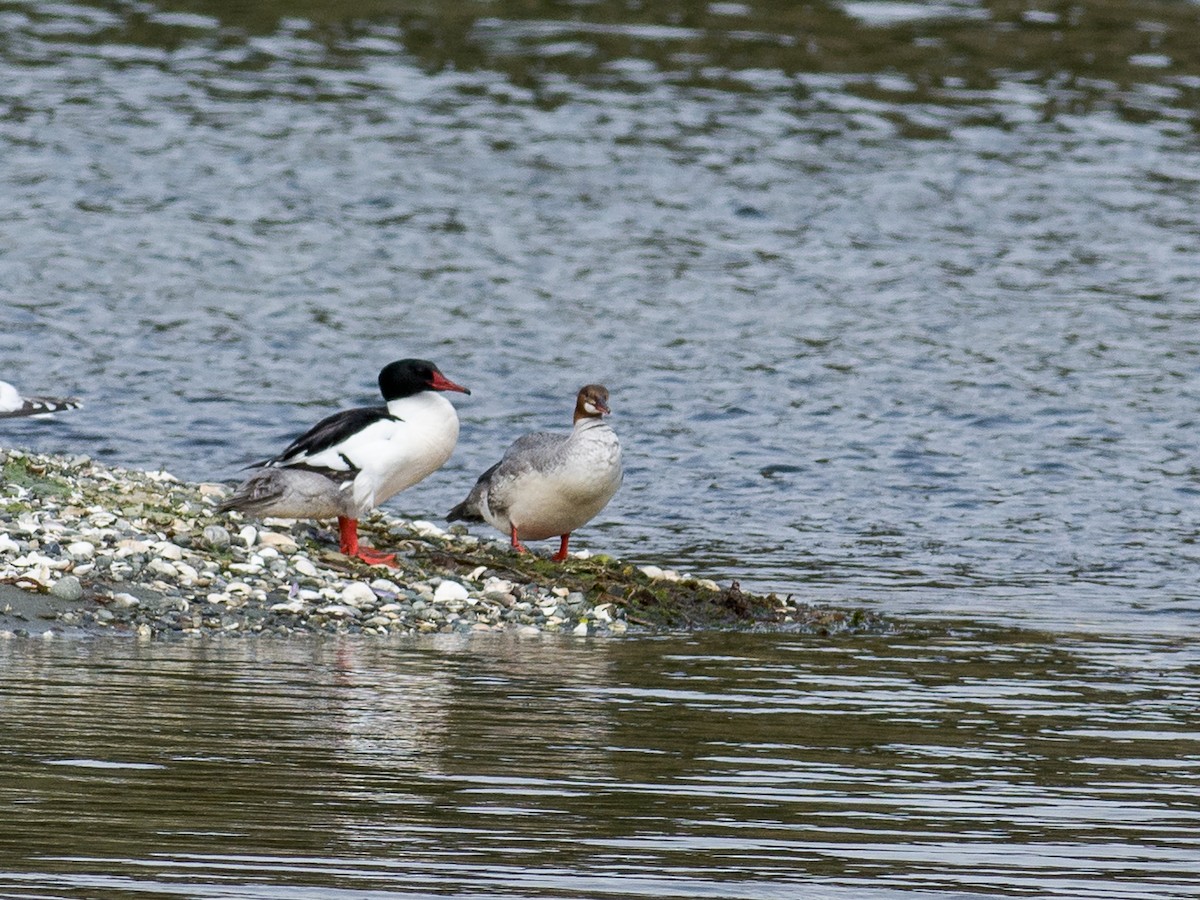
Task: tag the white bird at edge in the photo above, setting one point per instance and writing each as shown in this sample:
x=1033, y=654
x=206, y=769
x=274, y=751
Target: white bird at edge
x=12, y=404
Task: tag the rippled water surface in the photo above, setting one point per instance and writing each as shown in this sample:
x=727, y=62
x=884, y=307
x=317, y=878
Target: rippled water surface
x=897, y=302
x=956, y=761
x=898, y=306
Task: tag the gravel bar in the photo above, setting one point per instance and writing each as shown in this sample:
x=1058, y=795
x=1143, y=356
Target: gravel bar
x=89, y=548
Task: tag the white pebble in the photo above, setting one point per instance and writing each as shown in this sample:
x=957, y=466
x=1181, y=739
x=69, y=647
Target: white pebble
x=340, y=611
x=292, y=606
x=580, y=630
x=162, y=568
x=124, y=601
x=167, y=550
x=304, y=566
x=284, y=543
x=78, y=549
x=450, y=590
x=476, y=572
x=357, y=595
x=40, y=574
x=498, y=586
x=427, y=529
x=248, y=534
x=651, y=571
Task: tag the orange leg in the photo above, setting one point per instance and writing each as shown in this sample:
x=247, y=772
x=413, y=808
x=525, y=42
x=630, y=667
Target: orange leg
x=348, y=530
x=562, y=548
x=516, y=541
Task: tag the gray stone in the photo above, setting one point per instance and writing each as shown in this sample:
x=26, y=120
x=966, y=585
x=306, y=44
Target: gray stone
x=67, y=588
x=217, y=536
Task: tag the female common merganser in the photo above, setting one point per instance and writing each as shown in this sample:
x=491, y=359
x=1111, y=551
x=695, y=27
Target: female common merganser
x=12, y=404
x=550, y=484
x=352, y=461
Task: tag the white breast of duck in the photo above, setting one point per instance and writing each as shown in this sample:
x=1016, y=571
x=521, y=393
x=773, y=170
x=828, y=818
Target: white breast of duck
x=549, y=485
x=395, y=451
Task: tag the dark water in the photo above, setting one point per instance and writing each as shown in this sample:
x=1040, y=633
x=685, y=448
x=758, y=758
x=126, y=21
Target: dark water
x=898, y=306
x=941, y=764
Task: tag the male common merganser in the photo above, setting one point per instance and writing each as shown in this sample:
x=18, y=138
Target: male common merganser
x=550, y=484
x=12, y=404
x=354, y=460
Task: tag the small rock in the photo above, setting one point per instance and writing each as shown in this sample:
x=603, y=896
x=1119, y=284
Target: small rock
x=340, y=611
x=295, y=605
x=124, y=601
x=284, y=543
x=162, y=568
x=580, y=630
x=248, y=535
x=167, y=550
x=450, y=590
x=651, y=571
x=79, y=549
x=67, y=588
x=217, y=537
x=357, y=595
x=385, y=588
x=304, y=566
x=497, y=586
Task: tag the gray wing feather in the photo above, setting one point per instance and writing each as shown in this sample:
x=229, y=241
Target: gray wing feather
x=530, y=452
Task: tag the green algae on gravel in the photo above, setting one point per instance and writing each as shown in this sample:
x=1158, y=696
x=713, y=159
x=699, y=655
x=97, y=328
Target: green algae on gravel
x=650, y=602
